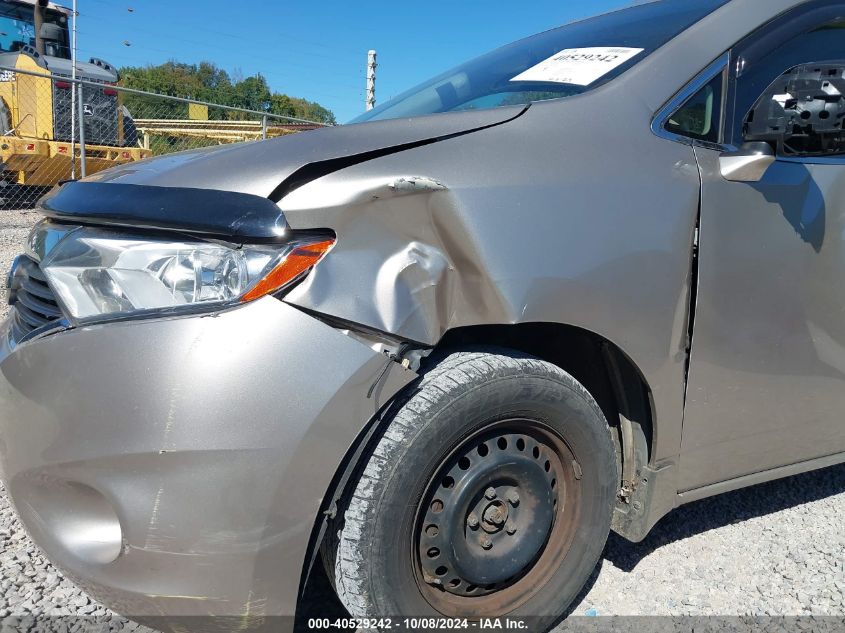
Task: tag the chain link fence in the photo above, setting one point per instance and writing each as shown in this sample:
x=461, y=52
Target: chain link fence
x=55, y=128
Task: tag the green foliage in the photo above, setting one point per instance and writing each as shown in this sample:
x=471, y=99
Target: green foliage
x=206, y=82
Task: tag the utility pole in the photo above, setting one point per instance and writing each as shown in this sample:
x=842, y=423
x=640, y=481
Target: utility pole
x=73, y=105
x=371, y=80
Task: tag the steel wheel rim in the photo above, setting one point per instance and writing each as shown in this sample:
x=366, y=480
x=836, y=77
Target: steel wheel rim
x=479, y=549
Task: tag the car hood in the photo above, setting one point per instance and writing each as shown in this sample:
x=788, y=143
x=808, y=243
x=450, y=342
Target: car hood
x=272, y=168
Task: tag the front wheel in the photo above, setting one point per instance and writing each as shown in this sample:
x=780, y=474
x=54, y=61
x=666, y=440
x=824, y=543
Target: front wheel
x=490, y=493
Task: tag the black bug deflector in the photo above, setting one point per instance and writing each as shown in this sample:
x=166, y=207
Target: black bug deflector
x=228, y=214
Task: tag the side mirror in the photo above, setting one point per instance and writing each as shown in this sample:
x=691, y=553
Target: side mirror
x=51, y=32
x=747, y=164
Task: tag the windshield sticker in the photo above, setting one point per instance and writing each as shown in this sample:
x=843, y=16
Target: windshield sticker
x=579, y=66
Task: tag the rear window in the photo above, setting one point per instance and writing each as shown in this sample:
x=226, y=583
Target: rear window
x=559, y=63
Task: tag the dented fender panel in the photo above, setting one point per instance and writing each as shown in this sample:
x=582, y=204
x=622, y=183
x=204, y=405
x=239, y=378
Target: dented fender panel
x=214, y=447
x=524, y=235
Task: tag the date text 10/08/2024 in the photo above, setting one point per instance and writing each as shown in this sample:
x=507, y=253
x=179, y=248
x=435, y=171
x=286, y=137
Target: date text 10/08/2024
x=425, y=624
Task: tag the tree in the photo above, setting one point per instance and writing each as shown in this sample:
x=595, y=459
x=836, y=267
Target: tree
x=252, y=94
x=206, y=82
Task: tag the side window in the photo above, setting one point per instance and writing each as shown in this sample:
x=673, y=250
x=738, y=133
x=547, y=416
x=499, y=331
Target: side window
x=700, y=116
x=802, y=112
x=789, y=88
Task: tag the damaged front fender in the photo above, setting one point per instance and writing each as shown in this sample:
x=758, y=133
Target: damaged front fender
x=399, y=252
x=507, y=226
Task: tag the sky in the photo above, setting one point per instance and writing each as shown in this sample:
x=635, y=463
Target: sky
x=317, y=50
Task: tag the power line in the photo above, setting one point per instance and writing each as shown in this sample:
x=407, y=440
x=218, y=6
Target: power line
x=255, y=43
x=166, y=52
x=266, y=73
x=277, y=76
x=242, y=38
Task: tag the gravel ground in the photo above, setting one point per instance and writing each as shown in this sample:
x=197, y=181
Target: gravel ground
x=14, y=227
x=777, y=549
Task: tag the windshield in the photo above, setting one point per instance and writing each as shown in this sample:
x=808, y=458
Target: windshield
x=17, y=29
x=562, y=62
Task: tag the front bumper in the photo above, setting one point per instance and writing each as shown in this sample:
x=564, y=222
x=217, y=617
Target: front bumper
x=176, y=467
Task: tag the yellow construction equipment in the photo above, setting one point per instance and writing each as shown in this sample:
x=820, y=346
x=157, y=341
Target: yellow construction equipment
x=219, y=131
x=37, y=140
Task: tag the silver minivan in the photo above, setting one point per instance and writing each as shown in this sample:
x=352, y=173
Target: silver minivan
x=558, y=290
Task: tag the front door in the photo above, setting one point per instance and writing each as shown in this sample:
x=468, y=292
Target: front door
x=766, y=384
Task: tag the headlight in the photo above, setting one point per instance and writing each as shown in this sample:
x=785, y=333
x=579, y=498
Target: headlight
x=98, y=272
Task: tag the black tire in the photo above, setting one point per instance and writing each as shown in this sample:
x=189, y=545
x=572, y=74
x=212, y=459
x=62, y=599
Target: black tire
x=517, y=406
x=18, y=197
x=130, y=132
x=5, y=118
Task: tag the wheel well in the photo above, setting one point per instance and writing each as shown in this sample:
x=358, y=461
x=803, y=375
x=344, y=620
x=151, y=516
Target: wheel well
x=605, y=370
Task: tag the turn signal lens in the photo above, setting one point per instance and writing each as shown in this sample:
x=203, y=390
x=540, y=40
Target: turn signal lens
x=297, y=262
